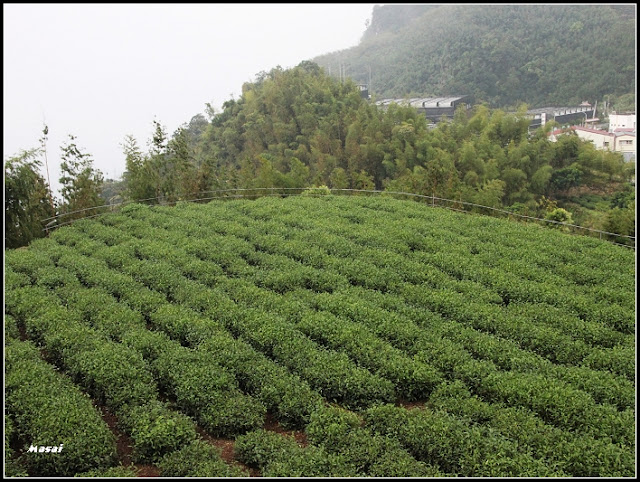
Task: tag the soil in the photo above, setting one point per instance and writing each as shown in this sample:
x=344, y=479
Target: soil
x=226, y=450
x=147, y=471
x=274, y=426
x=411, y=405
x=124, y=445
x=23, y=332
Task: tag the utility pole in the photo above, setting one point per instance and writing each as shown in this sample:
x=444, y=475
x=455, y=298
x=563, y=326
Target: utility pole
x=43, y=141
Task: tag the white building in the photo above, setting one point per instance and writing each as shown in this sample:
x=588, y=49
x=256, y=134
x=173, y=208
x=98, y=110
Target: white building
x=626, y=143
x=622, y=121
x=622, y=140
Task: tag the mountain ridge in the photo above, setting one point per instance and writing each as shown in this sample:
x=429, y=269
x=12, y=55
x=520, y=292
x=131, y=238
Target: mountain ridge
x=502, y=55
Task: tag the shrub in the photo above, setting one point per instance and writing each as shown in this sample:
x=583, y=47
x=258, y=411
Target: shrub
x=280, y=456
x=208, y=392
x=119, y=471
x=11, y=331
x=198, y=459
x=260, y=447
x=311, y=462
x=155, y=430
x=316, y=191
x=339, y=432
x=36, y=396
x=12, y=468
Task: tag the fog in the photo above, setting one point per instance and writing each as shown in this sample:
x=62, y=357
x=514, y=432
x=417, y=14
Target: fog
x=103, y=71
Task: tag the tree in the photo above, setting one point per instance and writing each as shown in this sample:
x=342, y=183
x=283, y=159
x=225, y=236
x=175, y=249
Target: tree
x=181, y=177
x=622, y=221
x=26, y=199
x=339, y=178
x=140, y=180
x=567, y=177
x=298, y=173
x=160, y=165
x=491, y=194
x=81, y=183
x=540, y=180
x=559, y=215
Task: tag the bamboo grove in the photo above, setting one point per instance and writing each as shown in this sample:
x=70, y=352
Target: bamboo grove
x=299, y=127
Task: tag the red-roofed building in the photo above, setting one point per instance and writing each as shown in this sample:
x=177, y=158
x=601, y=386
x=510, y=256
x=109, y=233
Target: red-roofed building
x=622, y=140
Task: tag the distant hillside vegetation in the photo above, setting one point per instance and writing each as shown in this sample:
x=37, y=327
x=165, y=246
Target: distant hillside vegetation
x=500, y=54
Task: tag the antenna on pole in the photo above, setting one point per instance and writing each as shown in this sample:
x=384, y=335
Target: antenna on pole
x=43, y=141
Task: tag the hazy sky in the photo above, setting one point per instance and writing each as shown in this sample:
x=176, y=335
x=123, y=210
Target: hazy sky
x=103, y=71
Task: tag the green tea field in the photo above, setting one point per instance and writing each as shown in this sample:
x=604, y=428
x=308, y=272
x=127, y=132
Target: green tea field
x=344, y=336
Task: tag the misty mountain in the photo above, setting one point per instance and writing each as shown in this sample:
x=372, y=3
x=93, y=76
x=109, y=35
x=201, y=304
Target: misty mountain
x=499, y=54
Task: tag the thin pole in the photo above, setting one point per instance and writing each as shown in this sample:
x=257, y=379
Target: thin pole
x=45, y=131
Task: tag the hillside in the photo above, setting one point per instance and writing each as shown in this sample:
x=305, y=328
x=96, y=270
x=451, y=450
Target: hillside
x=300, y=127
x=500, y=54
x=318, y=336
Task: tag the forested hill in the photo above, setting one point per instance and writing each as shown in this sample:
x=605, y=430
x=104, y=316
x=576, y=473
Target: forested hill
x=500, y=54
x=300, y=127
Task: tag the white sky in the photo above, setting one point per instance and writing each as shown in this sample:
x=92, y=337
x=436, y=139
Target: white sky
x=102, y=71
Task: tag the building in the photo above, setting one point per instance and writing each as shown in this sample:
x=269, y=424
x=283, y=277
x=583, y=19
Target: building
x=626, y=143
x=433, y=108
x=622, y=140
x=584, y=113
x=364, y=91
x=622, y=121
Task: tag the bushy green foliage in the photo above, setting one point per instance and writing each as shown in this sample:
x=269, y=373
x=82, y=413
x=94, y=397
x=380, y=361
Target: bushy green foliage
x=316, y=191
x=308, y=129
x=27, y=199
x=37, y=396
x=80, y=182
x=119, y=471
x=515, y=342
x=156, y=430
x=208, y=392
x=197, y=459
x=339, y=432
x=280, y=456
x=260, y=447
x=452, y=444
x=12, y=468
x=11, y=331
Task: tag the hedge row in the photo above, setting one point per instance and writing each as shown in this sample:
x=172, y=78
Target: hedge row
x=326, y=371
x=153, y=427
x=376, y=306
x=412, y=379
x=294, y=407
x=339, y=432
x=114, y=374
x=575, y=455
x=282, y=393
x=601, y=393
x=460, y=449
x=197, y=459
x=280, y=456
x=36, y=397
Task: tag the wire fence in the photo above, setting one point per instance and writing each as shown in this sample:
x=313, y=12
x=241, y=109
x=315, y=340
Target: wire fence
x=451, y=204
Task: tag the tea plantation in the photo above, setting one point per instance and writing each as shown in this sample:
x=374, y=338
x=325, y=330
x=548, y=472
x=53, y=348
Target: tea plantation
x=318, y=336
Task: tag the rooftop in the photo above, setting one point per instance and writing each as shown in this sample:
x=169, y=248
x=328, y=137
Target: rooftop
x=583, y=129
x=424, y=102
x=557, y=110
